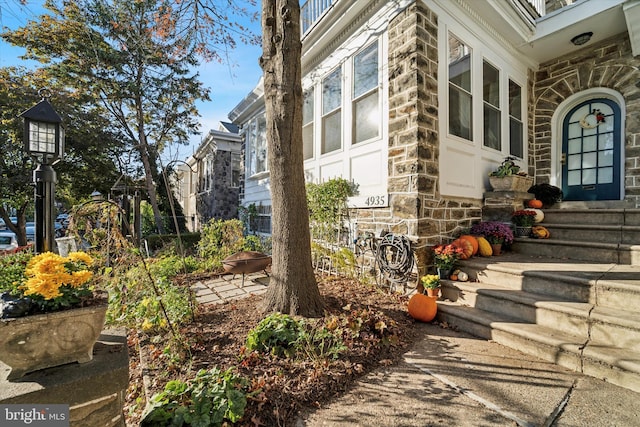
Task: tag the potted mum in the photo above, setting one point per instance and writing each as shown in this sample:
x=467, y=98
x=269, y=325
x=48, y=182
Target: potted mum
x=523, y=219
x=431, y=284
x=444, y=258
x=51, y=314
x=497, y=233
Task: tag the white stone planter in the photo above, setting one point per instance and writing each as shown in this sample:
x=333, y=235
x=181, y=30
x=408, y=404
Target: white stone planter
x=516, y=183
x=42, y=341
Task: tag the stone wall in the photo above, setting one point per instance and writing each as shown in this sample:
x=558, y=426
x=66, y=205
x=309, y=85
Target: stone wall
x=95, y=390
x=609, y=64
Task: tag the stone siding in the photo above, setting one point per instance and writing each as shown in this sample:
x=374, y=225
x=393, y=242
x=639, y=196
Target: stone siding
x=609, y=64
x=221, y=201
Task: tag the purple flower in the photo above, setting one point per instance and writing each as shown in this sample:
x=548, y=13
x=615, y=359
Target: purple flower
x=493, y=231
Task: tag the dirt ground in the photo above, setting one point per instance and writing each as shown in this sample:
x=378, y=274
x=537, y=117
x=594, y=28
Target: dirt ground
x=377, y=332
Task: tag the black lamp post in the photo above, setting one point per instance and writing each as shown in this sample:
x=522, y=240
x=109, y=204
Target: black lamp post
x=44, y=140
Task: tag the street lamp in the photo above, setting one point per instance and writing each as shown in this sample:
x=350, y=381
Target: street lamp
x=44, y=140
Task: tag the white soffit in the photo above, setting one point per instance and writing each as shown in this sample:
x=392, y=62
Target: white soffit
x=632, y=15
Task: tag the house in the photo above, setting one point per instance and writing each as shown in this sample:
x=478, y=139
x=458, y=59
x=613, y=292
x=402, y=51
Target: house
x=208, y=183
x=416, y=101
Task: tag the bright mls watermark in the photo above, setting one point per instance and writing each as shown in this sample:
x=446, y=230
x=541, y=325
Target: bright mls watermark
x=34, y=415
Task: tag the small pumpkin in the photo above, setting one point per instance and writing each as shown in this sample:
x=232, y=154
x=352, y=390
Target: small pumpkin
x=466, y=246
x=453, y=277
x=540, y=232
x=473, y=241
x=422, y=307
x=463, y=277
x=484, y=247
x=534, y=203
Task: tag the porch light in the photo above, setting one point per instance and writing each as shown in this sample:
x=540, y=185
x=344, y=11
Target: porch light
x=581, y=39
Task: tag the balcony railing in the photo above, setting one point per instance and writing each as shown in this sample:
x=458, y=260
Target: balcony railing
x=311, y=12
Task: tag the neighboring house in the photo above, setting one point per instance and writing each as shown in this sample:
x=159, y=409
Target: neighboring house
x=208, y=184
x=416, y=101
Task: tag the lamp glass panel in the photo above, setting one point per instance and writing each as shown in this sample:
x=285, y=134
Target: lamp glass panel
x=42, y=137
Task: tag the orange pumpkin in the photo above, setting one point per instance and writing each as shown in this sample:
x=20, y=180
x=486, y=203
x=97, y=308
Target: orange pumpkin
x=473, y=241
x=534, y=203
x=423, y=307
x=466, y=246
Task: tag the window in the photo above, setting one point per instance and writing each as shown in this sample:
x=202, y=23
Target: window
x=236, y=169
x=460, y=117
x=366, y=107
x=516, y=146
x=331, y=112
x=256, y=140
x=491, y=106
x=307, y=124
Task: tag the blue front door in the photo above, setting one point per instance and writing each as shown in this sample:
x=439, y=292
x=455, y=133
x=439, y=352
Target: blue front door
x=591, y=150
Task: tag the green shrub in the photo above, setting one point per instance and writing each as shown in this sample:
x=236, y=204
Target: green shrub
x=277, y=333
x=212, y=398
x=281, y=335
x=12, y=269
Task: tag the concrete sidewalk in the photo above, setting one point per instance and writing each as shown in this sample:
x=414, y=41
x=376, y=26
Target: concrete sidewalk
x=450, y=378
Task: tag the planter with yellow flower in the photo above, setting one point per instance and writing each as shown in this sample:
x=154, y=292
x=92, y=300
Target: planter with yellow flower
x=51, y=316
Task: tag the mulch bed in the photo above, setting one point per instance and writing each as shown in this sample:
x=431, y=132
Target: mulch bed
x=217, y=336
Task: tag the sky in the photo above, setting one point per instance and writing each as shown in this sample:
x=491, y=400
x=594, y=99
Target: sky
x=229, y=83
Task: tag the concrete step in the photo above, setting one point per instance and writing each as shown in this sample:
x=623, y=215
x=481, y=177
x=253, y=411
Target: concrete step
x=627, y=217
x=625, y=234
x=597, y=283
x=601, y=325
x=618, y=253
x=617, y=365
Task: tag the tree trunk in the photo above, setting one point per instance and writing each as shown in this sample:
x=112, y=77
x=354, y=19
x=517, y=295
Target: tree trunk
x=292, y=288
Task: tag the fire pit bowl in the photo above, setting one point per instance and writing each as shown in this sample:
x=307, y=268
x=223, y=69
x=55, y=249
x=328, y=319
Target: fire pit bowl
x=246, y=262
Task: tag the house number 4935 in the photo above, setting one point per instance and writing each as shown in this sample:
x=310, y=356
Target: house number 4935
x=379, y=200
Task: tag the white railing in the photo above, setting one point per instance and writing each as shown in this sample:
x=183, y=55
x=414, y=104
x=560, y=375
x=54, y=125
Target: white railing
x=539, y=6
x=312, y=10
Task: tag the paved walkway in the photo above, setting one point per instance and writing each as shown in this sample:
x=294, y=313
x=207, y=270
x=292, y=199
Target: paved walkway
x=229, y=287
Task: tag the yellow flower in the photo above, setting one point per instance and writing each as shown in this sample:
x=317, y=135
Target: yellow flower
x=146, y=325
x=81, y=257
x=47, y=272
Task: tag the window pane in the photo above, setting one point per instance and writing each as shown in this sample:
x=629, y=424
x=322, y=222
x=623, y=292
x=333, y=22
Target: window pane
x=589, y=160
x=588, y=176
x=573, y=178
x=605, y=158
x=515, y=100
x=331, y=131
x=574, y=146
x=589, y=143
x=574, y=162
x=460, y=120
x=307, y=141
x=307, y=107
x=366, y=118
x=459, y=63
x=492, y=127
x=261, y=145
x=490, y=84
x=332, y=91
x=605, y=175
x=365, y=70
x=516, y=147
